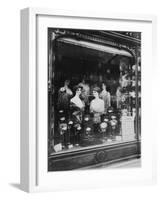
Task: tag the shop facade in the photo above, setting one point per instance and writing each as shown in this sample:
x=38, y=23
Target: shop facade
x=94, y=97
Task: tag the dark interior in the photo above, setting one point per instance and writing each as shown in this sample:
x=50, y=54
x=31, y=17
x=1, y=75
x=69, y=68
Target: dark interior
x=79, y=63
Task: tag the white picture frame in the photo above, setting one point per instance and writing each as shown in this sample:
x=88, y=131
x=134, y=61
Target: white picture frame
x=33, y=176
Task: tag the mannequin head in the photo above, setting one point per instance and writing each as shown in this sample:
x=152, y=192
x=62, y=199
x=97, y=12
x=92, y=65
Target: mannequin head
x=96, y=92
x=103, y=86
x=66, y=83
x=78, y=90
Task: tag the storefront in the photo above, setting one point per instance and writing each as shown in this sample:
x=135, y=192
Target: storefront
x=94, y=97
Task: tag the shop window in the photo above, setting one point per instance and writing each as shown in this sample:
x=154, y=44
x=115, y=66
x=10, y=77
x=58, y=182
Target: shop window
x=94, y=90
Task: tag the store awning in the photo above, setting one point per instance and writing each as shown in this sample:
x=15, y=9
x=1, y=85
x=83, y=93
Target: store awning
x=94, y=46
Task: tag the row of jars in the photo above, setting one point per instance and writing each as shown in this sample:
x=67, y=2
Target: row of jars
x=72, y=133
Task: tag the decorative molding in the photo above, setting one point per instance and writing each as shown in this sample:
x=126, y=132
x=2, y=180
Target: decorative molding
x=94, y=155
x=124, y=42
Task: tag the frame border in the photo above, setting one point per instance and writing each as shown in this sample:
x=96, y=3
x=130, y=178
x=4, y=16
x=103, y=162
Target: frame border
x=28, y=84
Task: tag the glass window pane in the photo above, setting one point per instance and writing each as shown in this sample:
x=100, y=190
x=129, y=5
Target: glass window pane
x=94, y=90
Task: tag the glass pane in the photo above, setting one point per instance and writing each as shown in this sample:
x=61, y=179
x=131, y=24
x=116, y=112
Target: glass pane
x=94, y=93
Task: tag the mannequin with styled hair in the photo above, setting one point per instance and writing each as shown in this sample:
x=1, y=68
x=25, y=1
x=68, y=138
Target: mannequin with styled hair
x=76, y=99
x=105, y=95
x=64, y=96
x=97, y=106
x=77, y=105
x=85, y=90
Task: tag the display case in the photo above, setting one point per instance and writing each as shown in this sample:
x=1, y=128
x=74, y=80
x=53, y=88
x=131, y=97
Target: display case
x=94, y=98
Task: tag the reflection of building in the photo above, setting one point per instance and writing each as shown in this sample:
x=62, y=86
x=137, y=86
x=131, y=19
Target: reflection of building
x=98, y=57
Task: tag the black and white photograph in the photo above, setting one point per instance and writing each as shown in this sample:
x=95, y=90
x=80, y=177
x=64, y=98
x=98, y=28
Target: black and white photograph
x=81, y=81
x=94, y=99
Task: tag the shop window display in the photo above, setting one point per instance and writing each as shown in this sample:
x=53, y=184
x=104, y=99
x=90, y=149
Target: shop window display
x=94, y=95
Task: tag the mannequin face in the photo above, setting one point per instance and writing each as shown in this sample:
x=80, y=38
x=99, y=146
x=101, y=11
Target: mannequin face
x=95, y=94
x=103, y=86
x=67, y=82
x=79, y=91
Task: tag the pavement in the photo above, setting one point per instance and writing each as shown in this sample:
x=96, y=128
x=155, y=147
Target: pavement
x=136, y=163
x=132, y=163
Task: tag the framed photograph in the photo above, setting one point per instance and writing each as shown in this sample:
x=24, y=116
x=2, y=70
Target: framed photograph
x=86, y=113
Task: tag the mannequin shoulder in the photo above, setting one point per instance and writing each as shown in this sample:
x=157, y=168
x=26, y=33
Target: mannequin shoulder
x=101, y=101
x=72, y=100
